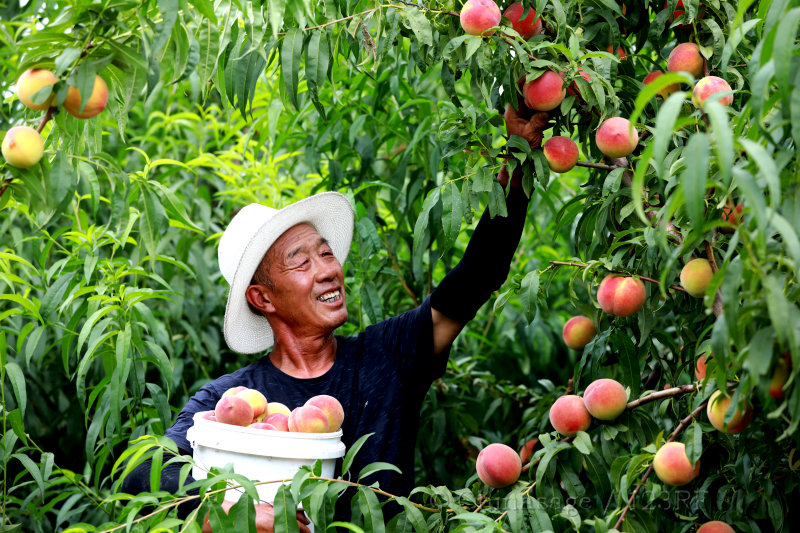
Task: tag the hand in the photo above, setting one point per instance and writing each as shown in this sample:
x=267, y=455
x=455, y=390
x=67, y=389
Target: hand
x=265, y=518
x=527, y=124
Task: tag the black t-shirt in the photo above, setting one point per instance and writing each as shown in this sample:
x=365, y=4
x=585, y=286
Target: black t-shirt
x=380, y=377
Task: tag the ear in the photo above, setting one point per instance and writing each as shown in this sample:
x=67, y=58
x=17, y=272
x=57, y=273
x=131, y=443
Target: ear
x=259, y=297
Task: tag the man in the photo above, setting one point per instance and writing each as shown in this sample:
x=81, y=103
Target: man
x=287, y=293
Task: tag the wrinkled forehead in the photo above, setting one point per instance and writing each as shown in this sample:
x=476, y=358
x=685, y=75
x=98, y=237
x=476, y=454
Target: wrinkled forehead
x=295, y=240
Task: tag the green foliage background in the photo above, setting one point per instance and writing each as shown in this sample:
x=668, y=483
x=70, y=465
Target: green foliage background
x=111, y=302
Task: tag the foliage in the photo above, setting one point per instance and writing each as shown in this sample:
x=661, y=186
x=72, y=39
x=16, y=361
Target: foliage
x=112, y=303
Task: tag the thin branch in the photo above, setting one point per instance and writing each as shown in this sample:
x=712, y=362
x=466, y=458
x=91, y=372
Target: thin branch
x=46, y=119
x=600, y=166
x=667, y=393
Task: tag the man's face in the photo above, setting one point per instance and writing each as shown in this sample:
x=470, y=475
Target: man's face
x=308, y=282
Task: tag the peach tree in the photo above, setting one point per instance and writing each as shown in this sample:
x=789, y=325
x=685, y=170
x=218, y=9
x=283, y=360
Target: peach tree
x=635, y=373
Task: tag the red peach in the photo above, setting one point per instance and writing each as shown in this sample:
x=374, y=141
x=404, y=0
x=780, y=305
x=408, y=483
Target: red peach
x=233, y=390
x=279, y=420
x=561, y=153
x=718, y=406
x=605, y=399
x=578, y=332
x=715, y=527
x=32, y=81
x=665, y=91
x=332, y=409
x=498, y=465
x=568, y=415
x=308, y=419
x=621, y=296
x=22, y=147
x=263, y=425
x=526, y=452
x=234, y=410
x=545, y=92
x=686, y=57
x=695, y=276
x=96, y=103
x=620, y=53
x=477, y=16
x=672, y=465
x=700, y=367
x=615, y=137
x=527, y=27
x=256, y=399
x=208, y=415
x=780, y=376
x=708, y=86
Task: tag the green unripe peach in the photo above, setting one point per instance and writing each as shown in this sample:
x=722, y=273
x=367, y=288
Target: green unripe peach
x=695, y=276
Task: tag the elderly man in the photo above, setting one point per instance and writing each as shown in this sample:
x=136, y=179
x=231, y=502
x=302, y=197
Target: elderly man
x=287, y=293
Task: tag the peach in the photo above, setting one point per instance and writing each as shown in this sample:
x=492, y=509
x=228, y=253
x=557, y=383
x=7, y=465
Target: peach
x=498, y=465
x=578, y=331
x=561, y=153
x=780, y=376
x=31, y=82
x=700, y=367
x=731, y=215
x=308, y=419
x=620, y=53
x=615, y=137
x=526, y=452
x=279, y=420
x=672, y=465
x=332, y=409
x=263, y=425
x=527, y=27
x=605, y=399
x=96, y=103
x=686, y=57
x=715, y=527
x=256, y=399
x=718, y=406
x=234, y=390
x=208, y=415
x=477, y=16
x=573, y=87
x=545, y=92
x=621, y=296
x=695, y=276
x=707, y=86
x=568, y=415
x=665, y=91
x=22, y=146
x=234, y=410
x=277, y=407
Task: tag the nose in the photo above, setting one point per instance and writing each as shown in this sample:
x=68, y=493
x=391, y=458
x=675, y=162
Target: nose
x=327, y=269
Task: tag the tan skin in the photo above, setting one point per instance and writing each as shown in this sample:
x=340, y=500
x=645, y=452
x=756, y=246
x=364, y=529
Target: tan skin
x=302, y=268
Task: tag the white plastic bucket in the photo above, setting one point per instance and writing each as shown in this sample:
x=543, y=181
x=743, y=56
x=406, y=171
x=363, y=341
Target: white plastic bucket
x=260, y=454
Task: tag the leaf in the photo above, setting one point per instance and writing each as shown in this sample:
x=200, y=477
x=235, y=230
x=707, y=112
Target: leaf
x=452, y=213
x=33, y=470
x=413, y=515
x=371, y=510
x=276, y=10
x=17, y=378
x=376, y=467
x=419, y=24
x=694, y=176
x=206, y=8
x=352, y=451
x=539, y=519
x=767, y=169
x=529, y=293
x=291, y=52
x=285, y=511
x=583, y=443
x=665, y=124
x=169, y=10
x=694, y=444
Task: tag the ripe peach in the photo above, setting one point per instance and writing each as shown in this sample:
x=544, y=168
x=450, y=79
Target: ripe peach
x=665, y=91
x=621, y=296
x=527, y=27
x=561, y=153
x=332, y=409
x=731, y=216
x=578, y=332
x=257, y=400
x=672, y=466
x=277, y=407
x=568, y=415
x=780, y=376
x=32, y=81
x=718, y=406
x=234, y=410
x=22, y=146
x=279, y=420
x=498, y=465
x=545, y=92
x=686, y=57
x=708, y=86
x=263, y=425
x=526, y=452
x=477, y=16
x=605, y=399
x=695, y=276
x=620, y=53
x=615, y=137
x=96, y=103
x=715, y=527
x=208, y=415
x=700, y=367
x=234, y=390
x=308, y=419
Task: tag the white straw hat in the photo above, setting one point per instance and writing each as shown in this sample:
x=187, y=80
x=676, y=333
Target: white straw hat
x=245, y=242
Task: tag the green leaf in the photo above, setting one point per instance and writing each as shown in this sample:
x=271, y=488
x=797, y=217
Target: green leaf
x=370, y=510
x=665, y=124
x=33, y=470
x=419, y=24
x=583, y=442
x=17, y=378
x=352, y=451
x=529, y=293
x=206, y=8
x=767, y=169
x=285, y=511
x=291, y=52
x=452, y=213
x=376, y=467
x=413, y=515
x=693, y=178
x=276, y=10
x=539, y=519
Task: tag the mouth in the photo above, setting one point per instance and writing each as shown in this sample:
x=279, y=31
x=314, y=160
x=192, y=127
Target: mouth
x=330, y=297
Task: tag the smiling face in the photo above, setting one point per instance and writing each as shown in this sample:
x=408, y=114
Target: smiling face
x=307, y=294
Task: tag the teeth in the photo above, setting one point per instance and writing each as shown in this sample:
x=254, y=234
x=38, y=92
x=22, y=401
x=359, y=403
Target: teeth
x=329, y=297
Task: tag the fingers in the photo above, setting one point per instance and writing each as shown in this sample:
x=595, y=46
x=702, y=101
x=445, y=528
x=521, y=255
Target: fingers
x=301, y=517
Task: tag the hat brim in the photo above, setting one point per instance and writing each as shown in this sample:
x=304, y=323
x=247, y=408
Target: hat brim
x=330, y=213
